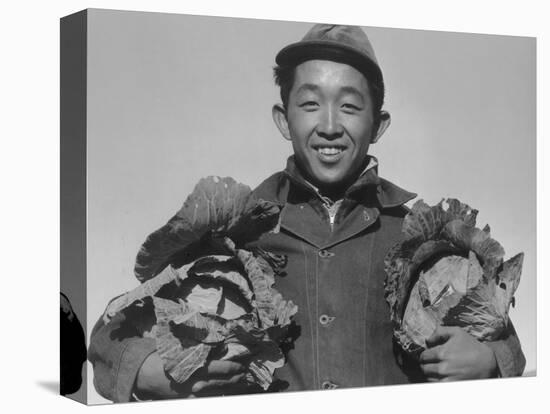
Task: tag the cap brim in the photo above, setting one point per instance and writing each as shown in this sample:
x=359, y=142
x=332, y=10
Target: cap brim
x=299, y=52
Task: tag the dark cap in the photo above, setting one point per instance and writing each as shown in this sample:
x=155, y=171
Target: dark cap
x=346, y=44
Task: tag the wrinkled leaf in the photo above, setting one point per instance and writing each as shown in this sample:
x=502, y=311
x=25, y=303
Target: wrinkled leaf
x=181, y=356
x=205, y=299
x=149, y=288
x=477, y=313
x=449, y=270
x=475, y=271
x=267, y=358
x=508, y=281
x=199, y=327
x=223, y=268
x=272, y=308
x=471, y=238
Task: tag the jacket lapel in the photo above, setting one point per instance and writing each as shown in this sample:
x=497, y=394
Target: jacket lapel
x=302, y=221
x=357, y=221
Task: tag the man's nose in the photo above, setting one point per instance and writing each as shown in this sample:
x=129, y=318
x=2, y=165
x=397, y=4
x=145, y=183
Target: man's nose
x=329, y=126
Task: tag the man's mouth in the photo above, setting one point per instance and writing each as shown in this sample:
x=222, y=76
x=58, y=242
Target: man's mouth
x=329, y=153
x=329, y=149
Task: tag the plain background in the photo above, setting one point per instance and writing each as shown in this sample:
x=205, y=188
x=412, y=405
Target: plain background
x=30, y=224
x=174, y=98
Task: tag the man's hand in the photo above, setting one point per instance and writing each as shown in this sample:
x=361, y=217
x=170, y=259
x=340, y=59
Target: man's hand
x=453, y=354
x=215, y=378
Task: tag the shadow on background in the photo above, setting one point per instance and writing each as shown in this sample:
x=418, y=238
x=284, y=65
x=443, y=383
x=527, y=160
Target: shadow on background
x=51, y=386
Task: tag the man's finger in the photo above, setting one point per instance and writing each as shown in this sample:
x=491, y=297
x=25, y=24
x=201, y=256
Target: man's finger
x=218, y=384
x=431, y=355
x=223, y=368
x=433, y=371
x=240, y=387
x=441, y=335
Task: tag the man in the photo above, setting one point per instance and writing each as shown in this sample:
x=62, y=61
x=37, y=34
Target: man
x=338, y=221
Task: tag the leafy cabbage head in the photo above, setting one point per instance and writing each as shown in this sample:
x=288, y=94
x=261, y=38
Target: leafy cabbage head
x=446, y=271
x=205, y=297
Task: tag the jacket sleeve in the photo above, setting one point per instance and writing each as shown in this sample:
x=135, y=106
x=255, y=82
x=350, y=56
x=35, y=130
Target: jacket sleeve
x=117, y=351
x=508, y=353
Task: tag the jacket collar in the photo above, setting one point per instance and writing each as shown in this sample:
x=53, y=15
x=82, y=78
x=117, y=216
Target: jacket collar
x=368, y=184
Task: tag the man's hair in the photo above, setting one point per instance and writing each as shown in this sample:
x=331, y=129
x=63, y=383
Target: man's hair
x=284, y=78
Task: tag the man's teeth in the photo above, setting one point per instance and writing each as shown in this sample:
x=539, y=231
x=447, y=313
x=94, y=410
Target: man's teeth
x=329, y=150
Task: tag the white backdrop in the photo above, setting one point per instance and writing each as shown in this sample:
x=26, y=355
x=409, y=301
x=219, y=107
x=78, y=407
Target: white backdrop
x=30, y=88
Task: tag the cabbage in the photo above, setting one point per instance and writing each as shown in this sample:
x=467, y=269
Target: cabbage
x=216, y=206
x=220, y=302
x=446, y=271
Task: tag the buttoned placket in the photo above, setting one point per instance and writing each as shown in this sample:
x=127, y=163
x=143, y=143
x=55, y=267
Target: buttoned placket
x=298, y=219
x=325, y=319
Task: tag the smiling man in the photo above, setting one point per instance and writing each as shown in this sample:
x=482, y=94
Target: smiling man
x=338, y=221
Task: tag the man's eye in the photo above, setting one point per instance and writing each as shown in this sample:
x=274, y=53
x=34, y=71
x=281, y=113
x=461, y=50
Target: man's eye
x=350, y=107
x=309, y=105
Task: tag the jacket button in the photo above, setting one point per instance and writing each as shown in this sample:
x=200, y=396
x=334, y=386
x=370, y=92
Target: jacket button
x=325, y=319
x=366, y=215
x=327, y=385
x=325, y=253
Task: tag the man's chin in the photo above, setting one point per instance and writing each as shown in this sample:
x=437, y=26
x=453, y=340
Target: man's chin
x=326, y=181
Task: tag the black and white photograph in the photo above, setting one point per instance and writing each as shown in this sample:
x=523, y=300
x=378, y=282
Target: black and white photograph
x=283, y=206
x=300, y=207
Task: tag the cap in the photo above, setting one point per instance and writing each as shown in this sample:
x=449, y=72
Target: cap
x=346, y=44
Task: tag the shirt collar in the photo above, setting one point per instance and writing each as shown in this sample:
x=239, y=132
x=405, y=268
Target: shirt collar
x=388, y=194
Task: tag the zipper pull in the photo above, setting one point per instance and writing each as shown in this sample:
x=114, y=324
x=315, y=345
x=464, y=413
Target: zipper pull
x=332, y=211
x=331, y=217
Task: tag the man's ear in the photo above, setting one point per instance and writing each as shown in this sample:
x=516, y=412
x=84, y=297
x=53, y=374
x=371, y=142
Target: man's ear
x=385, y=121
x=279, y=117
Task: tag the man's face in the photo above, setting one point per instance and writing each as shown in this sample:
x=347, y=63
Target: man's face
x=330, y=121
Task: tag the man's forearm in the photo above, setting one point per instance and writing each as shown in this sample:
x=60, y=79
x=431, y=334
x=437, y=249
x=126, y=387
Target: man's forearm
x=117, y=355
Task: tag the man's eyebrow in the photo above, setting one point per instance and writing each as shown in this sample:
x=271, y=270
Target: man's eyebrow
x=307, y=87
x=304, y=87
x=353, y=91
